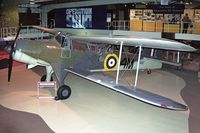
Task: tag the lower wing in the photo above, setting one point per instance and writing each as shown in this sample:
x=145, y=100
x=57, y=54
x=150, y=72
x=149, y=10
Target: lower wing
x=136, y=93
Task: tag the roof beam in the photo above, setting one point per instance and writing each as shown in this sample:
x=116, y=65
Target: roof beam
x=50, y=7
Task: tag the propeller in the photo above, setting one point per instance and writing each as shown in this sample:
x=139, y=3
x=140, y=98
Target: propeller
x=10, y=63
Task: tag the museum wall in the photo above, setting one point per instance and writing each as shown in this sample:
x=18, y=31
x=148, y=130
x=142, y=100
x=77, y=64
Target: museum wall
x=29, y=18
x=9, y=16
x=146, y=20
x=29, y=14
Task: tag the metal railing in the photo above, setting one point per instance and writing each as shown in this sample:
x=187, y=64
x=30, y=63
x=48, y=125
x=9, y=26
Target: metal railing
x=25, y=32
x=126, y=25
x=8, y=31
x=119, y=25
x=148, y=26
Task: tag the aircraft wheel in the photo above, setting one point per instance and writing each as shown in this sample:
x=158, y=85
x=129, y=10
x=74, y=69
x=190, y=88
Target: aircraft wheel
x=148, y=71
x=179, y=67
x=43, y=78
x=63, y=92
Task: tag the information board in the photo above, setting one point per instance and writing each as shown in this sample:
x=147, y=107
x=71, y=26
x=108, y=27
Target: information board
x=168, y=9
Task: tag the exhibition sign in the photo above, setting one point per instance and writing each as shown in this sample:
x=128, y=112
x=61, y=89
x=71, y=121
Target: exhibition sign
x=79, y=18
x=168, y=9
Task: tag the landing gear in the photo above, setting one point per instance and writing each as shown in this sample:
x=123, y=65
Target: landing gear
x=148, y=71
x=43, y=78
x=63, y=92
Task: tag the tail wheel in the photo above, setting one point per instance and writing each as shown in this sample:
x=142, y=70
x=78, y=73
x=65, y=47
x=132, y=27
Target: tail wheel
x=43, y=78
x=64, y=92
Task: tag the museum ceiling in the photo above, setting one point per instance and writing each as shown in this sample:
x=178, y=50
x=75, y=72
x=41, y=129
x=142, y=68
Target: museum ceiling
x=46, y=2
x=64, y=1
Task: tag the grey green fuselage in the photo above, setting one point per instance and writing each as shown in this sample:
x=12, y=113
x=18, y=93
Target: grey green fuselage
x=76, y=55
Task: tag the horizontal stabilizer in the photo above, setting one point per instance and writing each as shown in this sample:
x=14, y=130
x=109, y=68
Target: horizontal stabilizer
x=170, y=63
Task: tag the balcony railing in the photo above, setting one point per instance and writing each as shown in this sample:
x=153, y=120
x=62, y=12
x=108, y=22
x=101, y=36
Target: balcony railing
x=8, y=31
x=143, y=26
x=25, y=32
x=148, y=26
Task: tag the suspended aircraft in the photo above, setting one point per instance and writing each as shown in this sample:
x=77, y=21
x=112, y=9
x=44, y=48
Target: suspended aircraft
x=90, y=57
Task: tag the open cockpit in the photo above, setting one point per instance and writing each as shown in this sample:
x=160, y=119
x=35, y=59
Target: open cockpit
x=63, y=40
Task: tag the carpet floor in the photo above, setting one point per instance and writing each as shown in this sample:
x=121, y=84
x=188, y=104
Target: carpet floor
x=12, y=121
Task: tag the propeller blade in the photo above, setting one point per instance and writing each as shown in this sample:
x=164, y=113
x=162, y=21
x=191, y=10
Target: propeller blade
x=10, y=64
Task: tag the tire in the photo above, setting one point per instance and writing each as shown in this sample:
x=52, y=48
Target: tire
x=43, y=78
x=148, y=71
x=63, y=92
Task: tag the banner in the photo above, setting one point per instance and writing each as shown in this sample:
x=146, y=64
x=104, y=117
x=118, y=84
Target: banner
x=168, y=9
x=93, y=17
x=79, y=18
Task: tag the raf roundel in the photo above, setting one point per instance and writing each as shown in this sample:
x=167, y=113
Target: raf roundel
x=110, y=62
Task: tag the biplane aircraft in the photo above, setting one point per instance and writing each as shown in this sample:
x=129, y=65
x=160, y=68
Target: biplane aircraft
x=90, y=57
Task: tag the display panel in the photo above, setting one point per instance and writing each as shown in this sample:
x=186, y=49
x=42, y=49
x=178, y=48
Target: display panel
x=79, y=18
x=135, y=14
x=172, y=18
x=93, y=17
x=168, y=9
x=197, y=15
x=148, y=16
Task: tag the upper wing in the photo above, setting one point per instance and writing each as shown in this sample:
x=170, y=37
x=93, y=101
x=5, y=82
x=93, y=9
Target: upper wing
x=136, y=41
x=127, y=40
x=136, y=93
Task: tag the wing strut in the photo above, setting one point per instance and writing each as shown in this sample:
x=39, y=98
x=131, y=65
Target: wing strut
x=120, y=55
x=152, y=52
x=178, y=57
x=138, y=66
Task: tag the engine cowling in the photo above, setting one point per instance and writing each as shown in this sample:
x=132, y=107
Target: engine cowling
x=22, y=57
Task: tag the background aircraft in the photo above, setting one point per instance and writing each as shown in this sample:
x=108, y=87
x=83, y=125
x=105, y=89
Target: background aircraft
x=90, y=57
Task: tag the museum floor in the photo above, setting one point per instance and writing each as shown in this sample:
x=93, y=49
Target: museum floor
x=96, y=109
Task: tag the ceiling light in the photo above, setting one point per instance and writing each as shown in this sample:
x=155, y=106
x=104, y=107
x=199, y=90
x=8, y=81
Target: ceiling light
x=32, y=2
